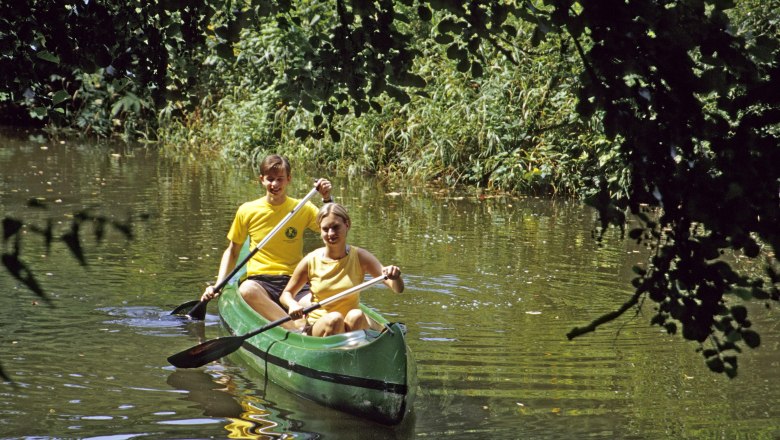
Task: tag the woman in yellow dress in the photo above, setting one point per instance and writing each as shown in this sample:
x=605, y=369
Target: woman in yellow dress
x=332, y=269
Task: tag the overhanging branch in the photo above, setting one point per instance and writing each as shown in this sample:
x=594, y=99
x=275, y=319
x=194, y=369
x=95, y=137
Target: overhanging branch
x=603, y=319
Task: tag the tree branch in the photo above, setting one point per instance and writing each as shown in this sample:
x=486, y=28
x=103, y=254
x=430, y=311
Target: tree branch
x=603, y=319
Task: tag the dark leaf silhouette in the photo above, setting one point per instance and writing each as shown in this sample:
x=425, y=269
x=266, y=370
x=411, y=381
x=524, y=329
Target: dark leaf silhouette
x=10, y=227
x=73, y=241
x=5, y=377
x=20, y=271
x=48, y=235
x=125, y=228
x=36, y=203
x=100, y=228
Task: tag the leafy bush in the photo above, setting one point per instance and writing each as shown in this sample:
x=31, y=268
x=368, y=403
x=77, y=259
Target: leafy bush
x=513, y=128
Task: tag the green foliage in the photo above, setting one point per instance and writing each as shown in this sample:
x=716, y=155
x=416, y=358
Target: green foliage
x=696, y=120
x=450, y=132
x=100, y=67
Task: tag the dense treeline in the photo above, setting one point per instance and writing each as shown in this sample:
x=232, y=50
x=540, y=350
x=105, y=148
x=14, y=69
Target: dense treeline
x=666, y=110
x=513, y=127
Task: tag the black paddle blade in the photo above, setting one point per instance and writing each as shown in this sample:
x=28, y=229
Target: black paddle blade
x=184, y=308
x=199, y=311
x=206, y=352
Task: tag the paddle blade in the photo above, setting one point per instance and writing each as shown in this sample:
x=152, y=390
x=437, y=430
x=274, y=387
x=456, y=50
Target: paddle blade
x=184, y=308
x=206, y=352
x=199, y=311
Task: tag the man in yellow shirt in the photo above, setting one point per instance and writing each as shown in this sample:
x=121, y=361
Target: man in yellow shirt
x=270, y=268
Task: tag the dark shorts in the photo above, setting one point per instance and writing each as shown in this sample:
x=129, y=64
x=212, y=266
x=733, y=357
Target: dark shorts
x=275, y=284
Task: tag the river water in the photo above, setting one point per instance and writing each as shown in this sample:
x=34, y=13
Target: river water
x=493, y=285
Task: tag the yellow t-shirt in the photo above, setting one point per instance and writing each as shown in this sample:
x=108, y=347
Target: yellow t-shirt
x=330, y=277
x=282, y=252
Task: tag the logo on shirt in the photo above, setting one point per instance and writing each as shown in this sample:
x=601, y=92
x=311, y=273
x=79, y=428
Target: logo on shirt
x=291, y=233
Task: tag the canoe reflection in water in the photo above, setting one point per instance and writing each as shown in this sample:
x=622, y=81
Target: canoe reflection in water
x=252, y=418
x=266, y=411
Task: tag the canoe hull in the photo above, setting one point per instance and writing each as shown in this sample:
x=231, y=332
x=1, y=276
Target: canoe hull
x=367, y=373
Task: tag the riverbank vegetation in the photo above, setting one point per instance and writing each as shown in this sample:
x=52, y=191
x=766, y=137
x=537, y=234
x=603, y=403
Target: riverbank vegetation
x=667, y=111
x=512, y=128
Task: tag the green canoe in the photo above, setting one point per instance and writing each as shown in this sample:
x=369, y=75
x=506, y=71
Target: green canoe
x=367, y=373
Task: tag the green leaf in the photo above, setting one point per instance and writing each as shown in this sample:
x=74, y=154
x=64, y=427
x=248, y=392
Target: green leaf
x=48, y=56
x=742, y=293
x=60, y=96
x=537, y=37
x=710, y=352
x=39, y=112
x=307, y=104
x=473, y=44
x=449, y=25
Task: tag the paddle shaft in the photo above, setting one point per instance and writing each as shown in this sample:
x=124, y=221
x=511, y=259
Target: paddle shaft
x=198, y=311
x=208, y=351
x=316, y=306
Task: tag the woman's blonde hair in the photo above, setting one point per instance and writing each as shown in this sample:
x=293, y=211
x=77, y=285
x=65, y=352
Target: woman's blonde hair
x=335, y=209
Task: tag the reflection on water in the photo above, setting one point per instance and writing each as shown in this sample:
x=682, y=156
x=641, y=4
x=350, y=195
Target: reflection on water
x=212, y=394
x=493, y=285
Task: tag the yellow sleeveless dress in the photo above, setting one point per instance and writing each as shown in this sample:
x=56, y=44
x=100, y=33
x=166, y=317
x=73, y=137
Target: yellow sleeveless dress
x=329, y=277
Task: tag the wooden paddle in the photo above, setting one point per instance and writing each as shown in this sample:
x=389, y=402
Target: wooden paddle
x=214, y=349
x=197, y=308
